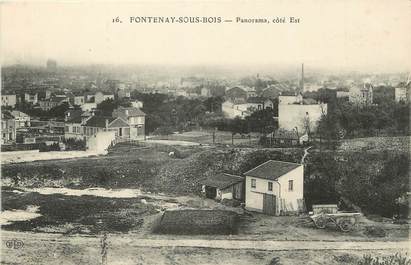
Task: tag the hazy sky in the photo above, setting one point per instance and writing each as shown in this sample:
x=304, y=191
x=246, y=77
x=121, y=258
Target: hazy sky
x=358, y=35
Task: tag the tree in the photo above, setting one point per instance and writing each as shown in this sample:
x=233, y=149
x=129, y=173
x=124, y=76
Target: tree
x=213, y=104
x=59, y=110
x=262, y=121
x=107, y=106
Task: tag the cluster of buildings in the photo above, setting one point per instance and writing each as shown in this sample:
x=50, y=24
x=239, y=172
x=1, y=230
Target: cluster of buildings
x=47, y=100
x=128, y=123
x=82, y=119
x=364, y=94
x=241, y=101
x=297, y=116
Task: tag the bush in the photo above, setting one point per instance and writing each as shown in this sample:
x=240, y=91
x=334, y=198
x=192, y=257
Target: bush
x=373, y=181
x=48, y=148
x=275, y=261
x=375, y=231
x=103, y=177
x=345, y=258
x=396, y=259
x=75, y=144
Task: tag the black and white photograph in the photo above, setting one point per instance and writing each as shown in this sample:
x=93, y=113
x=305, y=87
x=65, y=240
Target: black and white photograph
x=176, y=132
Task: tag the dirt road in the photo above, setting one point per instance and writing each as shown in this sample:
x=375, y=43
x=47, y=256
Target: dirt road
x=134, y=241
x=43, y=248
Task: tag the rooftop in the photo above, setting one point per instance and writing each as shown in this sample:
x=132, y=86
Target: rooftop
x=98, y=121
x=256, y=100
x=272, y=169
x=132, y=111
x=73, y=116
x=222, y=180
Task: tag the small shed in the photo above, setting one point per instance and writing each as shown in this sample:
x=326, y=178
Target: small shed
x=283, y=137
x=224, y=186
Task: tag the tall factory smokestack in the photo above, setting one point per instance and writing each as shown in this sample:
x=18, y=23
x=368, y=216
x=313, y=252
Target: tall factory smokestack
x=302, y=78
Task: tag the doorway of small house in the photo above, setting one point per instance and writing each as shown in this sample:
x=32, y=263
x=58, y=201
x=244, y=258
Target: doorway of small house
x=211, y=192
x=269, y=204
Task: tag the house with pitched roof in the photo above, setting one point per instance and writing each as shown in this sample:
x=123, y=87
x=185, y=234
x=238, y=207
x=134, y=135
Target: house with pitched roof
x=223, y=186
x=403, y=91
x=240, y=92
x=72, y=124
x=274, y=187
x=99, y=123
x=285, y=138
x=361, y=94
x=53, y=102
x=135, y=118
x=21, y=118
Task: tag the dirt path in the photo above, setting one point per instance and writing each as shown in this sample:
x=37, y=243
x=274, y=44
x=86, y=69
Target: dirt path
x=132, y=241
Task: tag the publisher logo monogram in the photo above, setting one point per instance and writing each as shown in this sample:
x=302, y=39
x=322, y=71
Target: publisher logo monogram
x=14, y=243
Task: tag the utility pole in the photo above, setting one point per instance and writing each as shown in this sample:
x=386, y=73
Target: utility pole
x=104, y=248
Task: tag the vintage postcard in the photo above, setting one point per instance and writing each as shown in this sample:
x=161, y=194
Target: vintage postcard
x=205, y=132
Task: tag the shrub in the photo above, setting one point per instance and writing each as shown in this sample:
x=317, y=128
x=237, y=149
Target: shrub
x=275, y=261
x=396, y=259
x=345, y=258
x=75, y=144
x=375, y=231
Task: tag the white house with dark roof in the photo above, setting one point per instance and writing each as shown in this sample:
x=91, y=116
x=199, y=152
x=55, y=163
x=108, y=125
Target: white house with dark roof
x=274, y=187
x=135, y=118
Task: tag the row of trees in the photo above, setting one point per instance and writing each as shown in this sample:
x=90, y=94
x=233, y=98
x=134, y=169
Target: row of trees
x=347, y=120
x=261, y=121
x=166, y=114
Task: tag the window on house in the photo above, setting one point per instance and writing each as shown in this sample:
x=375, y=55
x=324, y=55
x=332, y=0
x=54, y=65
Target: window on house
x=270, y=186
x=253, y=183
x=290, y=185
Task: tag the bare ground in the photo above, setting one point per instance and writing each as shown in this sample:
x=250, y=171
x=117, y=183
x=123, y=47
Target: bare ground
x=128, y=249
